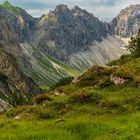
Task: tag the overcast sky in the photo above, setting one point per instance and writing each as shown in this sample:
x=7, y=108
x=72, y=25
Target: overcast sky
x=104, y=9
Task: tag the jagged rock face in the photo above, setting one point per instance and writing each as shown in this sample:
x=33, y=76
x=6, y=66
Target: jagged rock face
x=4, y=105
x=15, y=87
x=14, y=78
x=7, y=33
x=54, y=45
x=127, y=23
x=65, y=31
x=22, y=23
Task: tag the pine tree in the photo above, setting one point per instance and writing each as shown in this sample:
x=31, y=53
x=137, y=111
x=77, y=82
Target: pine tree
x=134, y=45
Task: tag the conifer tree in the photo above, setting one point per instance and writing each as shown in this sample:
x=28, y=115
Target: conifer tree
x=134, y=45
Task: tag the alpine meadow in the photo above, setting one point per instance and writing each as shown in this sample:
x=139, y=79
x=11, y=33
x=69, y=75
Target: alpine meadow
x=67, y=74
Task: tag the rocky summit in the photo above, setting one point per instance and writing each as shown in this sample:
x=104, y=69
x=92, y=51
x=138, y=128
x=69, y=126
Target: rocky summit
x=67, y=31
x=127, y=23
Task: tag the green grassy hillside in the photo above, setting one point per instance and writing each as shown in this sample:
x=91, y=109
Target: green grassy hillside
x=45, y=70
x=101, y=104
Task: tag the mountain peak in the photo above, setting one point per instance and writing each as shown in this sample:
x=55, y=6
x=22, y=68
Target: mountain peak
x=7, y=4
x=61, y=7
x=126, y=24
x=77, y=9
x=131, y=9
x=62, y=12
x=134, y=6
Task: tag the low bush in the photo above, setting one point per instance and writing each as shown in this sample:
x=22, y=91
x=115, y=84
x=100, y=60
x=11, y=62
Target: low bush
x=124, y=59
x=42, y=113
x=97, y=75
x=85, y=98
x=123, y=73
x=15, y=111
x=47, y=114
x=42, y=98
x=136, y=82
x=63, y=82
x=105, y=82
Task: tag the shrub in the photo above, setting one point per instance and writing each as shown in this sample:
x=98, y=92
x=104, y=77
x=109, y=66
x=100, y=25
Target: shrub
x=134, y=45
x=124, y=58
x=15, y=111
x=136, y=82
x=57, y=105
x=17, y=99
x=105, y=82
x=42, y=98
x=63, y=82
x=42, y=113
x=123, y=73
x=94, y=75
x=47, y=114
x=85, y=98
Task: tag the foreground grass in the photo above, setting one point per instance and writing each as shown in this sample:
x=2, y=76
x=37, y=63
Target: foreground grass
x=109, y=114
x=77, y=127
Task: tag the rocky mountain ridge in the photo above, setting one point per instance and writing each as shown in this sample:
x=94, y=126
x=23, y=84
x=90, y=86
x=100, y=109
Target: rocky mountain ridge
x=61, y=43
x=20, y=20
x=67, y=31
x=127, y=23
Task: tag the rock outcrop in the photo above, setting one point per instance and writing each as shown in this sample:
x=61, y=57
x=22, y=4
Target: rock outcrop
x=11, y=70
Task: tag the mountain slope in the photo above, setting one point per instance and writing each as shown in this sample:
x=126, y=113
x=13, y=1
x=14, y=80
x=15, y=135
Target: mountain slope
x=74, y=35
x=100, y=53
x=75, y=38
x=16, y=27
x=44, y=69
x=13, y=83
x=20, y=20
x=68, y=30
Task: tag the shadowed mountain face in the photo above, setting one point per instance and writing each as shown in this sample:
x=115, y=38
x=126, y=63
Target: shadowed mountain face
x=14, y=85
x=65, y=42
x=22, y=23
x=10, y=68
x=7, y=33
x=65, y=31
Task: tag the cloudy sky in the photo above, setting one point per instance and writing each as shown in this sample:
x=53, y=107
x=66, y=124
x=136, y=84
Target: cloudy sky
x=104, y=9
